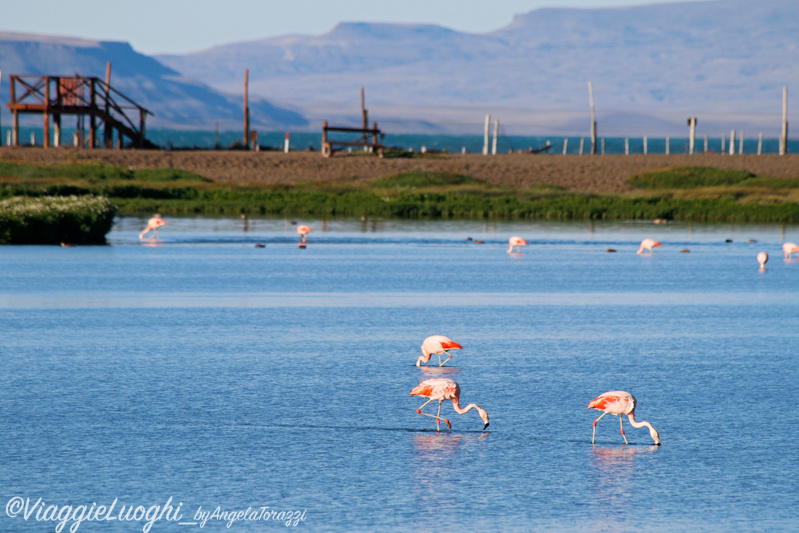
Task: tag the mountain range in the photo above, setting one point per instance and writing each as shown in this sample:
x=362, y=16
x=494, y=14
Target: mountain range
x=652, y=66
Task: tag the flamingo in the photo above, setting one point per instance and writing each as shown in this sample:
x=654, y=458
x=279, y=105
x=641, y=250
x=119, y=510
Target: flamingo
x=790, y=248
x=437, y=344
x=762, y=258
x=516, y=242
x=303, y=231
x=153, y=224
x=648, y=244
x=444, y=389
x=620, y=403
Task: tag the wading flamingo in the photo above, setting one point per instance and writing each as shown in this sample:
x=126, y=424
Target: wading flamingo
x=648, y=244
x=437, y=344
x=762, y=258
x=790, y=248
x=444, y=389
x=516, y=242
x=303, y=231
x=153, y=224
x=620, y=403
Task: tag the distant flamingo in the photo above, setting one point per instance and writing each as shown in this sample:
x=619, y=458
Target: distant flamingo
x=620, y=403
x=437, y=344
x=762, y=258
x=444, y=389
x=648, y=244
x=516, y=242
x=303, y=231
x=790, y=248
x=153, y=224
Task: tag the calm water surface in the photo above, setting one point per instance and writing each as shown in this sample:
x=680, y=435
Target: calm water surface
x=204, y=369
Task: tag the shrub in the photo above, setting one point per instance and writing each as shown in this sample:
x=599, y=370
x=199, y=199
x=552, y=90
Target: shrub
x=53, y=220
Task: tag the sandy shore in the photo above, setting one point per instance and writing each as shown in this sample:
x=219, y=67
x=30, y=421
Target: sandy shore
x=600, y=173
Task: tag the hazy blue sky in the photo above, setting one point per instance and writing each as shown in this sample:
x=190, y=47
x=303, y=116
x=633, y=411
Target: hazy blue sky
x=179, y=26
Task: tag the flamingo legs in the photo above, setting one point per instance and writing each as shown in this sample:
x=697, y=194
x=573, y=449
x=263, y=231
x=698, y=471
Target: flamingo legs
x=445, y=360
x=437, y=417
x=621, y=426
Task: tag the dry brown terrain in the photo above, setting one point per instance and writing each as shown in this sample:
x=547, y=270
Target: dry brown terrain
x=599, y=173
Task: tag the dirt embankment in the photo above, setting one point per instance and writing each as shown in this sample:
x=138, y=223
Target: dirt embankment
x=599, y=173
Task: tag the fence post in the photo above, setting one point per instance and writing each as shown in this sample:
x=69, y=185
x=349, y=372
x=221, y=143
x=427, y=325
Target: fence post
x=485, y=135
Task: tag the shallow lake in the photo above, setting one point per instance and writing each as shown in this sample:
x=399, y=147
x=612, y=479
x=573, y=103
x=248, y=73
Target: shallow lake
x=201, y=368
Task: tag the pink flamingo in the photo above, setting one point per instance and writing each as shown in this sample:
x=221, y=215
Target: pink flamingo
x=444, y=389
x=516, y=242
x=437, y=344
x=303, y=231
x=620, y=403
x=648, y=244
x=762, y=258
x=153, y=224
x=790, y=248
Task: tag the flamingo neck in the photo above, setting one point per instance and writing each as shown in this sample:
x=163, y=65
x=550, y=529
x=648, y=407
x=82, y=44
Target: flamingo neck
x=636, y=424
x=466, y=409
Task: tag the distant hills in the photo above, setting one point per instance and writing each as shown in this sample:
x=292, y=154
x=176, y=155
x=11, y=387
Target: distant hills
x=177, y=100
x=724, y=61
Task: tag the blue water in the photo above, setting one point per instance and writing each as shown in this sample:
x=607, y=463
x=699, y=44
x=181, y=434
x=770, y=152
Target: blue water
x=206, y=370
x=206, y=139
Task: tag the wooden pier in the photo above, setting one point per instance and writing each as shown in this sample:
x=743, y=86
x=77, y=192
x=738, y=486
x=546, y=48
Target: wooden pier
x=84, y=97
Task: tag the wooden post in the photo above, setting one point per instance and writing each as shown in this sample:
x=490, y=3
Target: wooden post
x=732, y=142
x=485, y=135
x=760, y=143
x=494, y=144
x=668, y=145
x=626, y=146
x=92, y=117
x=723, y=138
x=107, y=130
x=364, y=120
x=603, y=146
x=582, y=145
x=565, y=145
x=15, y=115
x=286, y=144
x=692, y=139
x=706, y=142
x=593, y=118
x=46, y=141
x=254, y=137
x=784, y=136
x=246, y=110
x=741, y=143
x=645, y=145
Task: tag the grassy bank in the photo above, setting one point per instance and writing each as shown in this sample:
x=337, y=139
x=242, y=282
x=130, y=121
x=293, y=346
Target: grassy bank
x=690, y=193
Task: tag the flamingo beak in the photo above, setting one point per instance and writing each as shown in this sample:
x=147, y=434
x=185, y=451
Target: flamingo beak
x=484, y=427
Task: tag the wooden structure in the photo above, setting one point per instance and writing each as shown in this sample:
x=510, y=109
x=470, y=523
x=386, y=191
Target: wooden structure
x=329, y=146
x=85, y=97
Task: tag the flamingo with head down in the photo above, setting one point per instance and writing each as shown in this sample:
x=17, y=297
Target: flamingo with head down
x=648, y=244
x=762, y=258
x=303, y=231
x=620, y=403
x=152, y=225
x=445, y=389
x=437, y=344
x=516, y=242
x=790, y=248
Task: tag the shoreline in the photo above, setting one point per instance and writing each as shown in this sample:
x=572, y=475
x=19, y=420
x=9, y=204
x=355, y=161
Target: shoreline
x=600, y=174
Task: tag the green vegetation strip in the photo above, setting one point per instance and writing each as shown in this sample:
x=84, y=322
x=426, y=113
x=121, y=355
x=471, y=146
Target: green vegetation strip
x=690, y=193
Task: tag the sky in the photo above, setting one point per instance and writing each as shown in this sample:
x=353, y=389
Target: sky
x=182, y=26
